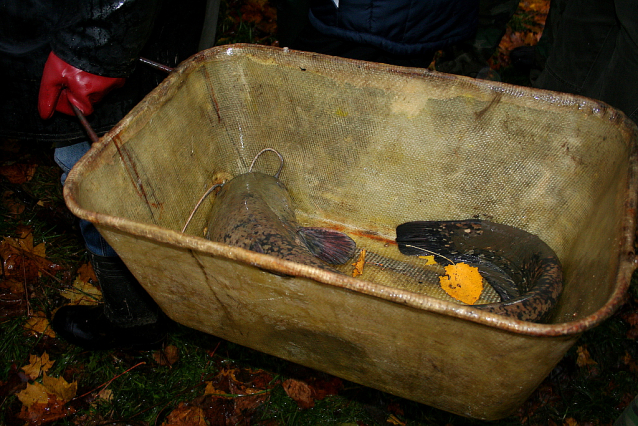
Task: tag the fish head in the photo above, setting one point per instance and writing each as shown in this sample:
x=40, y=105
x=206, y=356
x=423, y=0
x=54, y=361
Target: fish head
x=268, y=189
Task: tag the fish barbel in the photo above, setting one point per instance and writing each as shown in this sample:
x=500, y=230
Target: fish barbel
x=254, y=211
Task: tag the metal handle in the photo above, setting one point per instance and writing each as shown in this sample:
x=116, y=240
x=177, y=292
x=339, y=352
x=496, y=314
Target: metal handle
x=87, y=127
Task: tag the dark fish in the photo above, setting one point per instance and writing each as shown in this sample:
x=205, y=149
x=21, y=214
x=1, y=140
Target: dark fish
x=523, y=270
x=254, y=211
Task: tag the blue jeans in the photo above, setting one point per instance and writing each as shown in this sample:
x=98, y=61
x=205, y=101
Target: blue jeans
x=66, y=157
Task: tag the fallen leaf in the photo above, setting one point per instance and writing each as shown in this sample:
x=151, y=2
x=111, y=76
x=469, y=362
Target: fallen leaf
x=45, y=402
x=186, y=415
x=584, y=358
x=86, y=273
x=82, y=293
x=37, y=365
x=211, y=390
x=234, y=395
x=323, y=388
x=570, y=421
x=12, y=299
x=105, y=395
x=629, y=361
x=38, y=324
x=18, y=172
x=463, y=282
x=429, y=260
x=34, y=392
x=167, y=356
x=632, y=320
x=60, y=387
x=395, y=421
x=15, y=381
x=14, y=207
x=45, y=413
x=300, y=392
x=21, y=259
x=358, y=265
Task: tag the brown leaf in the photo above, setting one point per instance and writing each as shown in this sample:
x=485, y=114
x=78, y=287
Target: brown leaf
x=16, y=381
x=629, y=361
x=12, y=299
x=584, y=358
x=22, y=259
x=43, y=413
x=186, y=415
x=300, y=392
x=86, y=273
x=324, y=388
x=632, y=320
x=14, y=207
x=234, y=395
x=18, y=173
x=167, y=356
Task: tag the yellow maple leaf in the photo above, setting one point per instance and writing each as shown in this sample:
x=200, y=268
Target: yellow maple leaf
x=34, y=392
x=429, y=260
x=358, y=265
x=38, y=324
x=463, y=282
x=59, y=387
x=37, y=365
x=82, y=293
x=51, y=389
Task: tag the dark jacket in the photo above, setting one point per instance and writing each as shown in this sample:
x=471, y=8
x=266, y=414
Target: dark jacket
x=103, y=37
x=402, y=27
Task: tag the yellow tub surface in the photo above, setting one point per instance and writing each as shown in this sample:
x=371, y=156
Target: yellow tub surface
x=367, y=147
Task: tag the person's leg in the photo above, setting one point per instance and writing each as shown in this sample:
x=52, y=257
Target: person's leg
x=618, y=85
x=128, y=316
x=583, y=42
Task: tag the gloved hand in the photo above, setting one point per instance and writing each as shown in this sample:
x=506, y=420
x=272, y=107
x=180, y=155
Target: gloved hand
x=63, y=84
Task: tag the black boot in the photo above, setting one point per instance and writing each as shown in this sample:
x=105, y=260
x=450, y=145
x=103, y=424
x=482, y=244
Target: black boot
x=128, y=319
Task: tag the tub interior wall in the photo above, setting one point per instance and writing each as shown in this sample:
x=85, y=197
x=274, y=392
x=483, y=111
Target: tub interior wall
x=367, y=150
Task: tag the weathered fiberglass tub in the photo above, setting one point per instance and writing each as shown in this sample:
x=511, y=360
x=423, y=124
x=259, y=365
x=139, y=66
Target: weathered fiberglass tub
x=367, y=147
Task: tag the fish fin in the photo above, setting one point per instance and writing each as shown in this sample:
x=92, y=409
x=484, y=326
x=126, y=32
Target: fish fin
x=328, y=245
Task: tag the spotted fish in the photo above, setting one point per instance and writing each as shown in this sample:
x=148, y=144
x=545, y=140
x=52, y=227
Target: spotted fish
x=521, y=268
x=254, y=211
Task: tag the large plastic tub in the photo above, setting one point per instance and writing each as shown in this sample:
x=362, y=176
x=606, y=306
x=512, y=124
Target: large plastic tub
x=367, y=147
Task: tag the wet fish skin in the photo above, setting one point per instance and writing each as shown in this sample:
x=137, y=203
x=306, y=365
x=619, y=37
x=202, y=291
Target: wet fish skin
x=254, y=211
x=538, y=265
